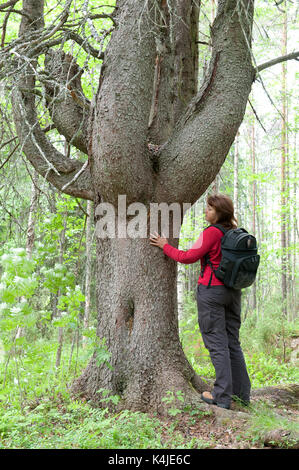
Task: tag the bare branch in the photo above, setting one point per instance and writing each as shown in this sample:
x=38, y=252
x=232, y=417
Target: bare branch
x=4, y=26
x=3, y=6
x=8, y=142
x=256, y=115
x=9, y=156
x=104, y=15
x=270, y=63
x=98, y=54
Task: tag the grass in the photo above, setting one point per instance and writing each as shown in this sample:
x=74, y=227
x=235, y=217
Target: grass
x=264, y=418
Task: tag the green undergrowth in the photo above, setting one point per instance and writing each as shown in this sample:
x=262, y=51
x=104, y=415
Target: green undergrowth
x=265, y=342
x=264, y=418
x=60, y=423
x=37, y=410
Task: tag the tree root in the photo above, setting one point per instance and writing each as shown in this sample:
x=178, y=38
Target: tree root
x=278, y=395
x=284, y=394
x=282, y=438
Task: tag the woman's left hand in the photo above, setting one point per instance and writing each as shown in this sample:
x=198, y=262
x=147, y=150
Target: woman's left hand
x=156, y=240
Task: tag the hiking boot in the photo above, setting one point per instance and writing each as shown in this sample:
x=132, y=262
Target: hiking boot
x=208, y=398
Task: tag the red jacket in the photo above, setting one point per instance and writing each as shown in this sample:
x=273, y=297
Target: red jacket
x=209, y=242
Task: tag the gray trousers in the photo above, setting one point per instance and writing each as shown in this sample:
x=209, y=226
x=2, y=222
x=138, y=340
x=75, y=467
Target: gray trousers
x=219, y=318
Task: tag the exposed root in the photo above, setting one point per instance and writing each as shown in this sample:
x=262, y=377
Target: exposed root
x=279, y=394
x=282, y=438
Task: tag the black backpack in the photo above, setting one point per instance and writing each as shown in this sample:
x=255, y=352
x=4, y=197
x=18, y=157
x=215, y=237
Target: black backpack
x=239, y=262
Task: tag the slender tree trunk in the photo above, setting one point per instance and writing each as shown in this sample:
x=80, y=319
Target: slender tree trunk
x=30, y=230
x=88, y=269
x=236, y=175
x=259, y=231
x=32, y=215
x=253, y=158
x=283, y=170
x=294, y=277
x=61, y=253
x=288, y=190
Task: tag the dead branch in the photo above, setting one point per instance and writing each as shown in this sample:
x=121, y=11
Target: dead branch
x=9, y=156
x=3, y=6
x=270, y=63
x=8, y=142
x=280, y=394
x=256, y=115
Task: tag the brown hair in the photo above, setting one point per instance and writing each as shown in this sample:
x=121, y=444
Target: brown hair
x=224, y=208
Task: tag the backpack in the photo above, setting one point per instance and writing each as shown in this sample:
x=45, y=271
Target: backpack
x=239, y=262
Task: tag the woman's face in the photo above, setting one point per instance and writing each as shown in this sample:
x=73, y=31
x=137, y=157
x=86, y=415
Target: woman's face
x=211, y=215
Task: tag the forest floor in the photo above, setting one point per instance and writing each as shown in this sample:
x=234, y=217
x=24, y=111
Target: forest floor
x=262, y=425
x=60, y=422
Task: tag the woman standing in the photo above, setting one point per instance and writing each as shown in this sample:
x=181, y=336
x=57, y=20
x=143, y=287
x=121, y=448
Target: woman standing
x=219, y=307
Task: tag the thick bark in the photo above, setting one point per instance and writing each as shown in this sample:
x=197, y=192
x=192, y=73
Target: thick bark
x=197, y=149
x=120, y=159
x=137, y=307
x=176, y=67
x=137, y=296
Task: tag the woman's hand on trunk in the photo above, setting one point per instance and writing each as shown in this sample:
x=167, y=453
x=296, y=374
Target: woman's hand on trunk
x=156, y=240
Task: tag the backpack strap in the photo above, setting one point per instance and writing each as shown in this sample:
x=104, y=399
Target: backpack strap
x=223, y=230
x=207, y=260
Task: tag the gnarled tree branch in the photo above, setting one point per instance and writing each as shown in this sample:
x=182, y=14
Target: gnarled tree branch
x=5, y=5
x=192, y=157
x=59, y=170
x=66, y=102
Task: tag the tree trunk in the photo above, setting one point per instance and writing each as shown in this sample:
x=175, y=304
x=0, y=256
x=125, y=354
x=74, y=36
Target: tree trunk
x=254, y=303
x=88, y=270
x=30, y=232
x=32, y=215
x=61, y=253
x=155, y=139
x=283, y=172
x=236, y=175
x=137, y=306
x=294, y=220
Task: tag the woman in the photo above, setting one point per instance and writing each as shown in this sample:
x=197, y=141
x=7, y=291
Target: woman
x=219, y=307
